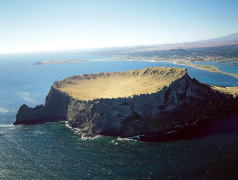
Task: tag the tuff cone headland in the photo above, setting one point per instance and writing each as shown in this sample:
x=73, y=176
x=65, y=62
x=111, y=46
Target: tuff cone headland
x=131, y=103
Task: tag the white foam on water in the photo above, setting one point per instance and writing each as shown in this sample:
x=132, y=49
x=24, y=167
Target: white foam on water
x=126, y=139
x=114, y=142
x=6, y=125
x=123, y=140
x=82, y=135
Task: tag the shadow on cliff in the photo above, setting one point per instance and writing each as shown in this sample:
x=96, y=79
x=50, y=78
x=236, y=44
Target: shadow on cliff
x=223, y=124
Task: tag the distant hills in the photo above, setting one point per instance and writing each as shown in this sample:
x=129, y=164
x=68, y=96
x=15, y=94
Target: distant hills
x=221, y=41
x=231, y=39
x=219, y=49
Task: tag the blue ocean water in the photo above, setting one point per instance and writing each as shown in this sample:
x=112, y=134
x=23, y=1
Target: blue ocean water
x=52, y=151
x=230, y=67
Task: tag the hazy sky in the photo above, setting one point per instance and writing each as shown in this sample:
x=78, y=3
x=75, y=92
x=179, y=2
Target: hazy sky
x=39, y=25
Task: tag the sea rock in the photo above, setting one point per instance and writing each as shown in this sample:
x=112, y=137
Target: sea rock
x=131, y=103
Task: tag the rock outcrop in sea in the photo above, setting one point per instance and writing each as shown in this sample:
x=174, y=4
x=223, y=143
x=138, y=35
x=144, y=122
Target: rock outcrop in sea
x=140, y=102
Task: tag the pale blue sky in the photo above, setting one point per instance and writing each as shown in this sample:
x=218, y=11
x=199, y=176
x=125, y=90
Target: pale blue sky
x=43, y=25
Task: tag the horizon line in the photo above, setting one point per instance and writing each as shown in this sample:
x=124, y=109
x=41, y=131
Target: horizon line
x=111, y=47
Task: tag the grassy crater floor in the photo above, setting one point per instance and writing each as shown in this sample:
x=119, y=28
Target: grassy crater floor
x=119, y=84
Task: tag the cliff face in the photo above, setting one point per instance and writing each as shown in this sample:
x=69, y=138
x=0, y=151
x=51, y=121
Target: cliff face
x=55, y=109
x=180, y=100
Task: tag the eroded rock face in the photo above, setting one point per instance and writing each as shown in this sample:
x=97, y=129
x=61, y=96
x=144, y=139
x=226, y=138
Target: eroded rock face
x=55, y=109
x=176, y=101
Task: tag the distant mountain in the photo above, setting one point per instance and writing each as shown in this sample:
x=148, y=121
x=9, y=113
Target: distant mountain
x=221, y=41
x=231, y=39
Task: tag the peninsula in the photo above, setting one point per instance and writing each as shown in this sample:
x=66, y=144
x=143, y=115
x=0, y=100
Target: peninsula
x=131, y=104
x=209, y=68
x=58, y=62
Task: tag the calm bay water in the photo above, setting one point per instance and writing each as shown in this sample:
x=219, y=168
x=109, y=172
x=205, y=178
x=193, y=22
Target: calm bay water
x=52, y=151
x=230, y=67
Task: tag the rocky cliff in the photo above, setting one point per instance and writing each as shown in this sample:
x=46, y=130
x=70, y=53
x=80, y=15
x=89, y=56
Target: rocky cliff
x=140, y=102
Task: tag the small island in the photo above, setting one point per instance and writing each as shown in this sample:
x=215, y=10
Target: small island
x=134, y=104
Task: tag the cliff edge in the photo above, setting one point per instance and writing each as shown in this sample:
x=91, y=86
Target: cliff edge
x=140, y=102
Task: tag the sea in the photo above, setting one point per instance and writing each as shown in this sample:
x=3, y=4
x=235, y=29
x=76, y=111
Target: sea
x=54, y=151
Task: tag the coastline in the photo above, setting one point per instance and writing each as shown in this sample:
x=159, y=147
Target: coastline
x=58, y=62
x=209, y=68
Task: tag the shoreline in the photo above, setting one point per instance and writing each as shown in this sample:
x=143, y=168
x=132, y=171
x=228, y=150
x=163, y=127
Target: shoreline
x=209, y=68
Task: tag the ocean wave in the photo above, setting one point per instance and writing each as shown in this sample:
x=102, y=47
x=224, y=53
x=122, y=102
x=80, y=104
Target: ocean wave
x=6, y=125
x=115, y=141
x=126, y=139
x=120, y=140
x=82, y=135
